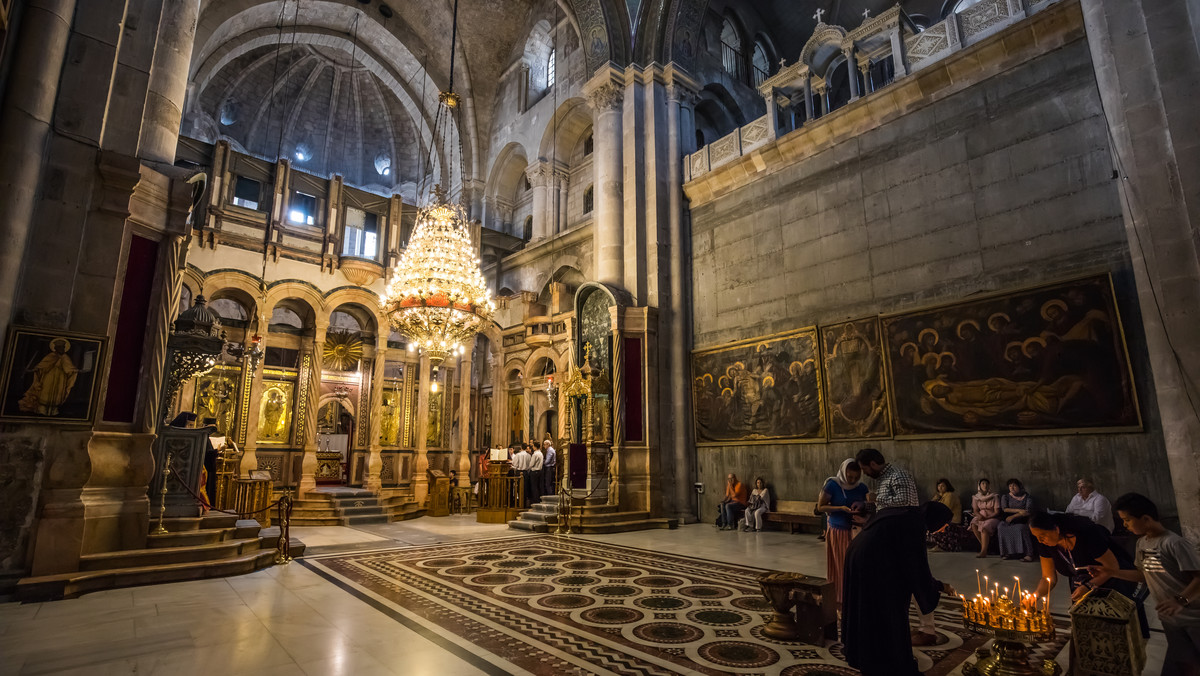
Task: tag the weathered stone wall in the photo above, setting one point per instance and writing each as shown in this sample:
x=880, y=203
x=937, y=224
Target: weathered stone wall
x=1005, y=184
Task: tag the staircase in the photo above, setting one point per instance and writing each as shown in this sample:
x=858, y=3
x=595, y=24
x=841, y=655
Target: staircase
x=589, y=516
x=194, y=548
x=339, y=506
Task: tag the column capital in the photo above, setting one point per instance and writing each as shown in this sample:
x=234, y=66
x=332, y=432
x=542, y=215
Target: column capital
x=538, y=174
x=607, y=97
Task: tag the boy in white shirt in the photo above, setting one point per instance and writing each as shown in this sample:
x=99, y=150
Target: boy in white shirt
x=1170, y=567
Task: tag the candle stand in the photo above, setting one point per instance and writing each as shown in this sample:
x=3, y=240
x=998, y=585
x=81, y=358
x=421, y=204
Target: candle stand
x=1016, y=625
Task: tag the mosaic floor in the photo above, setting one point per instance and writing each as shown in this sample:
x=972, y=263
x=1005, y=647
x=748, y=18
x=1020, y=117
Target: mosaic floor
x=557, y=605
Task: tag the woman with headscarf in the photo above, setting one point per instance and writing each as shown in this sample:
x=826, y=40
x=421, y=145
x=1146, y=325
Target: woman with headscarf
x=1016, y=505
x=985, y=516
x=838, y=498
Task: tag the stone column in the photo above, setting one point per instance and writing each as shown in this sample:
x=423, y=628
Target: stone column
x=372, y=481
x=168, y=80
x=1151, y=48
x=606, y=95
x=308, y=404
x=898, y=59
x=462, y=445
x=564, y=180
x=864, y=69
x=253, y=409
x=851, y=74
x=37, y=60
x=772, y=114
x=808, y=98
x=421, y=442
x=538, y=179
x=680, y=95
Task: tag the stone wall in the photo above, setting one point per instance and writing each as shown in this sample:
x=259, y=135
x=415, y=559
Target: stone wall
x=1004, y=184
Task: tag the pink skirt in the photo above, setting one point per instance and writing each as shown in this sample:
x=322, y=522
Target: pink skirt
x=837, y=541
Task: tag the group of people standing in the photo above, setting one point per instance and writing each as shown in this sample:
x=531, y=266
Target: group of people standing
x=879, y=565
x=537, y=465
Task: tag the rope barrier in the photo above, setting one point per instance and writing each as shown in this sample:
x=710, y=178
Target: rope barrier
x=283, y=548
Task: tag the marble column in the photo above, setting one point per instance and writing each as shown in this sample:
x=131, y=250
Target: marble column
x=372, y=480
x=564, y=180
x=606, y=94
x=1151, y=48
x=864, y=69
x=168, y=80
x=539, y=180
x=772, y=114
x=37, y=60
x=898, y=60
x=852, y=74
x=808, y=99
x=310, y=395
x=252, y=410
x=420, y=479
x=462, y=445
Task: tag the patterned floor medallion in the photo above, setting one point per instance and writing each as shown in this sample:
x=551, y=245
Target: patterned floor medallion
x=557, y=605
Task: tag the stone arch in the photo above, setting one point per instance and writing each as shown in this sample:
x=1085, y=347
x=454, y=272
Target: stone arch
x=604, y=31
x=504, y=180
x=717, y=113
x=513, y=364
x=360, y=297
x=298, y=292
x=368, y=319
x=565, y=130
x=823, y=49
x=542, y=353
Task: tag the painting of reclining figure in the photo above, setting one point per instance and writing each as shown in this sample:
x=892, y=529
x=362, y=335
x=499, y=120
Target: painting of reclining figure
x=1049, y=359
x=764, y=389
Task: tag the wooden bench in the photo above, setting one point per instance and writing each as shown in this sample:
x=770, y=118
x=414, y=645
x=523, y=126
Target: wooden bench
x=796, y=514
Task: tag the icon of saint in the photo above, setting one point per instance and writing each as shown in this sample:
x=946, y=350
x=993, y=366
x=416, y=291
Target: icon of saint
x=53, y=378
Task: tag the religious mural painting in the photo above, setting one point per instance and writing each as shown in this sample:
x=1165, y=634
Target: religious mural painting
x=855, y=387
x=51, y=376
x=275, y=412
x=765, y=389
x=1049, y=359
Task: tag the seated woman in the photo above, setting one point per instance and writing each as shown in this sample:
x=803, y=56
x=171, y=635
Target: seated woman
x=954, y=537
x=1015, y=540
x=1068, y=544
x=838, y=498
x=985, y=516
x=760, y=503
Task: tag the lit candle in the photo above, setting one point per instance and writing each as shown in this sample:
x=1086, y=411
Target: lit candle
x=1017, y=580
x=978, y=586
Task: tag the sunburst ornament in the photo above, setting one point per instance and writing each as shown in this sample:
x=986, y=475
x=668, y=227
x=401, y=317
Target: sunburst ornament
x=437, y=296
x=342, y=350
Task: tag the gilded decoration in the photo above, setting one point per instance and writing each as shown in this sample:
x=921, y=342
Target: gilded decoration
x=433, y=437
x=1052, y=359
x=51, y=376
x=855, y=387
x=390, y=412
x=275, y=412
x=342, y=350
x=765, y=389
x=216, y=398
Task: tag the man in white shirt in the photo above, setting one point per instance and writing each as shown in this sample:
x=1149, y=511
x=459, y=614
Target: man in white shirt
x=535, y=475
x=520, y=463
x=1087, y=502
x=549, y=468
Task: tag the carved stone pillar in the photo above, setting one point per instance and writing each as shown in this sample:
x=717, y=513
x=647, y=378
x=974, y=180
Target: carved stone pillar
x=539, y=180
x=168, y=80
x=809, y=110
x=851, y=74
x=563, y=183
x=898, y=60
x=372, y=481
x=250, y=403
x=462, y=445
x=420, y=478
x=307, y=405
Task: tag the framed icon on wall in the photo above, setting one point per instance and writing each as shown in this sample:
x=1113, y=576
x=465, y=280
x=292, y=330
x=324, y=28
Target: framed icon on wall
x=50, y=376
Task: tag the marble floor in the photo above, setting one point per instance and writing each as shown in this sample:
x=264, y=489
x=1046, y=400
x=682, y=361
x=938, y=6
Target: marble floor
x=292, y=620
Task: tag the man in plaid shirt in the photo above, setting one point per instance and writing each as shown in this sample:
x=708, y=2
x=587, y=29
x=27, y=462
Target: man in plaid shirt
x=894, y=487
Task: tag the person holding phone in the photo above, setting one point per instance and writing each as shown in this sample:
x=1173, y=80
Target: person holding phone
x=837, y=500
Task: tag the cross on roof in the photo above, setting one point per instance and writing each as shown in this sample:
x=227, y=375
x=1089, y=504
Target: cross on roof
x=866, y=14
x=818, y=15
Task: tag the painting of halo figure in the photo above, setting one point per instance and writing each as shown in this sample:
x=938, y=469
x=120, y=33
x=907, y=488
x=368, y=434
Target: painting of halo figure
x=855, y=387
x=765, y=389
x=50, y=376
x=1049, y=359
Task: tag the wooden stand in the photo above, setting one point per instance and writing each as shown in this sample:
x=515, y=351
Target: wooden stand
x=500, y=495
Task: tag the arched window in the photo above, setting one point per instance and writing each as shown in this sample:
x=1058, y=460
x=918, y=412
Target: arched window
x=589, y=199
x=527, y=231
x=761, y=63
x=731, y=50
x=588, y=146
x=550, y=68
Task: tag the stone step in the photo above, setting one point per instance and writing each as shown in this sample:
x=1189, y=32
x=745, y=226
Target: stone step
x=209, y=521
x=310, y=513
x=187, y=538
x=338, y=491
x=358, y=511
x=316, y=521
x=71, y=585
x=531, y=526
x=355, y=502
x=366, y=519
x=544, y=508
x=140, y=558
x=622, y=526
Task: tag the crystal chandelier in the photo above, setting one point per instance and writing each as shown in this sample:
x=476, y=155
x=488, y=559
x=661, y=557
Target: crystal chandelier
x=436, y=295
